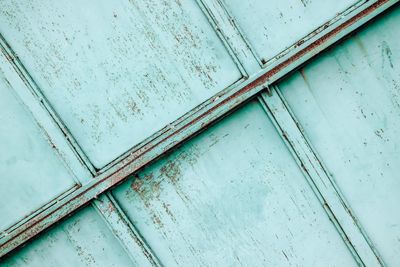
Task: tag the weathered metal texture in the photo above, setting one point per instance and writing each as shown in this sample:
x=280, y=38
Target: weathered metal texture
x=348, y=102
x=232, y=196
x=79, y=170
x=320, y=181
x=139, y=64
x=224, y=24
x=272, y=27
x=125, y=232
x=244, y=64
x=81, y=240
x=185, y=126
x=24, y=187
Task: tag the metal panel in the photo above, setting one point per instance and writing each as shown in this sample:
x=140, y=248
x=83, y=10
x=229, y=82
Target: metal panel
x=189, y=124
x=136, y=247
x=59, y=141
x=273, y=26
x=32, y=173
x=348, y=102
x=321, y=182
x=82, y=240
x=232, y=196
x=120, y=72
x=225, y=26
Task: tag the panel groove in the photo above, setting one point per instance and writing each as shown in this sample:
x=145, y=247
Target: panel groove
x=319, y=179
x=190, y=124
x=115, y=220
x=225, y=26
x=34, y=89
x=122, y=228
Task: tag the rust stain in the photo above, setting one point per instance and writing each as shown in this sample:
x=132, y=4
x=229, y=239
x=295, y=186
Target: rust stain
x=387, y=53
x=137, y=185
x=172, y=171
x=168, y=211
x=111, y=207
x=35, y=226
x=157, y=221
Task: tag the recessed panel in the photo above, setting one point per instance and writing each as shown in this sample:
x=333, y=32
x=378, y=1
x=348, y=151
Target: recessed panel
x=82, y=240
x=273, y=26
x=31, y=171
x=117, y=71
x=232, y=196
x=348, y=102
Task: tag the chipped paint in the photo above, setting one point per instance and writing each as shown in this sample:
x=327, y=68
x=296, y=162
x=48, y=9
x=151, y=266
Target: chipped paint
x=213, y=208
x=357, y=139
x=188, y=125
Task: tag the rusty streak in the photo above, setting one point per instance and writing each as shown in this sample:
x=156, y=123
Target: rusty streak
x=167, y=139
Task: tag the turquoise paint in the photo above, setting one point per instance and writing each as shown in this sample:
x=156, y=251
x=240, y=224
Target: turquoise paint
x=143, y=241
x=82, y=240
x=348, y=102
x=32, y=174
x=120, y=67
x=232, y=196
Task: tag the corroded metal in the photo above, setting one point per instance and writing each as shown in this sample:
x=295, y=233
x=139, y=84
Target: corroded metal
x=319, y=179
x=189, y=124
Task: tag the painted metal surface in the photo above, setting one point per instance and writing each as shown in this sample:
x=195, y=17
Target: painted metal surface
x=81, y=240
x=238, y=60
x=272, y=27
x=318, y=178
x=126, y=233
x=58, y=143
x=139, y=64
x=31, y=172
x=232, y=196
x=185, y=126
x=348, y=102
x=224, y=24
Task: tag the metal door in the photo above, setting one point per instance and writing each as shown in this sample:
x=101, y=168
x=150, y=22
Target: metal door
x=182, y=133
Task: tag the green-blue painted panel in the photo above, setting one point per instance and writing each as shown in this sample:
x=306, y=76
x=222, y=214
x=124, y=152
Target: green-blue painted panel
x=348, y=102
x=81, y=240
x=273, y=26
x=232, y=196
x=31, y=172
x=117, y=71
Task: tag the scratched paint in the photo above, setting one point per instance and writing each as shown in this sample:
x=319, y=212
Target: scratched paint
x=273, y=26
x=81, y=240
x=31, y=172
x=164, y=183
x=348, y=102
x=232, y=196
x=117, y=72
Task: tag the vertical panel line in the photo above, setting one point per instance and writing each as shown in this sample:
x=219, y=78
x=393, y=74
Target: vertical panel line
x=114, y=217
x=320, y=181
x=226, y=28
x=127, y=234
x=33, y=87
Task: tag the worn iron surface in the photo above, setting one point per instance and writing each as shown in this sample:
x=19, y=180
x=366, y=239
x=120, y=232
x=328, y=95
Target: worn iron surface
x=233, y=195
x=99, y=91
x=348, y=102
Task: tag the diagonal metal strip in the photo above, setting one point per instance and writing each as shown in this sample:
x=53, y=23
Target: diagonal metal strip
x=194, y=121
x=78, y=165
